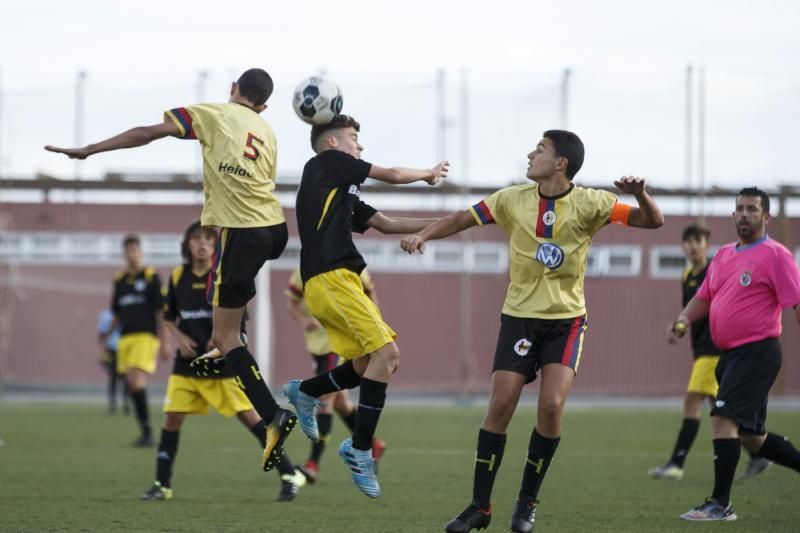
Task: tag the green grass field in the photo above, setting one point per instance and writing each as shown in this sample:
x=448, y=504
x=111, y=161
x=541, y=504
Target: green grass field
x=66, y=467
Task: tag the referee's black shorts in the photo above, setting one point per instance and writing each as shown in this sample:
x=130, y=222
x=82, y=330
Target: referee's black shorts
x=241, y=252
x=745, y=375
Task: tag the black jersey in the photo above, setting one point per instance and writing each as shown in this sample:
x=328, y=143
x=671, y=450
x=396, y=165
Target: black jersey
x=136, y=300
x=186, y=305
x=329, y=210
x=701, y=330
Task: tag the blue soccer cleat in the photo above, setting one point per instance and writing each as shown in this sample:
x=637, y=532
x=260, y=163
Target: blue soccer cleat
x=305, y=406
x=362, y=468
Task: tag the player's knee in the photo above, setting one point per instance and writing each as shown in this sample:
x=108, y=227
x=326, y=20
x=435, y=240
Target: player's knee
x=501, y=407
x=389, y=356
x=551, y=408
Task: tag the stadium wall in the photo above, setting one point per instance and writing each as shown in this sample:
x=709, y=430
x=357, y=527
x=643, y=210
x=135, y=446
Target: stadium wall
x=446, y=321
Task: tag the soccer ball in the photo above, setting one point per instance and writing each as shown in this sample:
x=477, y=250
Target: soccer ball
x=317, y=100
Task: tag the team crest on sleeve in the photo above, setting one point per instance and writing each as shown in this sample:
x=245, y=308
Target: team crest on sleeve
x=746, y=279
x=522, y=347
x=549, y=218
x=550, y=255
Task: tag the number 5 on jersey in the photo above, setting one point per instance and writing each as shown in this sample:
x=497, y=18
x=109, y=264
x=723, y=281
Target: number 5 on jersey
x=251, y=152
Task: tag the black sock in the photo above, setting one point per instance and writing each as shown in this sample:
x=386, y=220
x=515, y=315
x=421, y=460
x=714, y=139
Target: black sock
x=540, y=453
x=284, y=465
x=340, y=378
x=249, y=379
x=350, y=420
x=139, y=398
x=726, y=457
x=167, y=450
x=488, y=457
x=324, y=423
x=778, y=449
x=685, y=440
x=370, y=404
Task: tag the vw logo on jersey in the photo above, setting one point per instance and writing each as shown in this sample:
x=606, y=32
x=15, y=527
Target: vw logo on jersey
x=550, y=255
x=522, y=347
x=549, y=218
x=354, y=190
x=139, y=285
x=746, y=279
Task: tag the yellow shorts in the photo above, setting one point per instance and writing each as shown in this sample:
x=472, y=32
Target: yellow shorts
x=353, y=321
x=194, y=396
x=137, y=350
x=703, y=380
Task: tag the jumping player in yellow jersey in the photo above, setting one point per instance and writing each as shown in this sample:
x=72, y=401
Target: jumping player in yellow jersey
x=550, y=224
x=239, y=157
x=329, y=209
x=325, y=359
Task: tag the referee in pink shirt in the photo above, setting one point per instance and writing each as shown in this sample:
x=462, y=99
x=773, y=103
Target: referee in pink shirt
x=747, y=286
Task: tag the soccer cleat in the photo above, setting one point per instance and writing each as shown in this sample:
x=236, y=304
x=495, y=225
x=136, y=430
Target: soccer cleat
x=756, y=466
x=290, y=485
x=470, y=518
x=144, y=441
x=666, y=471
x=362, y=468
x=157, y=493
x=378, y=449
x=709, y=511
x=310, y=470
x=277, y=431
x=305, y=406
x=523, y=515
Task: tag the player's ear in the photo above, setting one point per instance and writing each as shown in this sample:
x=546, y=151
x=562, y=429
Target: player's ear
x=260, y=108
x=233, y=88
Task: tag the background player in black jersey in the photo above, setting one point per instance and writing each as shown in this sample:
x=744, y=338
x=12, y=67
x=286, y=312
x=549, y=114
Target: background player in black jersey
x=188, y=316
x=136, y=304
x=703, y=381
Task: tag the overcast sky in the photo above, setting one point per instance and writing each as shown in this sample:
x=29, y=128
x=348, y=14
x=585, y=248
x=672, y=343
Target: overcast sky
x=626, y=97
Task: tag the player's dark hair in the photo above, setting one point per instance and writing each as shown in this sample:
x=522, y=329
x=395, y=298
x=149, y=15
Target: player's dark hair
x=755, y=191
x=569, y=146
x=339, y=122
x=194, y=226
x=695, y=231
x=130, y=240
x=255, y=85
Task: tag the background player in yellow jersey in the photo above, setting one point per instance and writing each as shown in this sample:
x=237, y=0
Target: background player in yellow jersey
x=329, y=209
x=325, y=359
x=136, y=304
x=187, y=315
x=550, y=224
x=702, y=385
x=239, y=156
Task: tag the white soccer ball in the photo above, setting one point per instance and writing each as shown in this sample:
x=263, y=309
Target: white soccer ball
x=317, y=100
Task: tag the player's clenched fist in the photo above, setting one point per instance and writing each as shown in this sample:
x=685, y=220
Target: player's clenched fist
x=413, y=243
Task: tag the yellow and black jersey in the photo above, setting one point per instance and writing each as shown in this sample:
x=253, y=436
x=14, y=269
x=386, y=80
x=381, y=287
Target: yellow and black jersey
x=136, y=300
x=329, y=210
x=701, y=330
x=239, y=161
x=187, y=306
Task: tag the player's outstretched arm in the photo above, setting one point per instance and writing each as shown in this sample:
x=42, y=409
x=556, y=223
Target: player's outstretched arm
x=129, y=139
x=393, y=225
x=647, y=215
x=442, y=228
x=694, y=311
x=399, y=175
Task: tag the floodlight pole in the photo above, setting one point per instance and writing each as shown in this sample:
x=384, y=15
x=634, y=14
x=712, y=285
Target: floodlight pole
x=701, y=139
x=80, y=84
x=688, y=133
x=565, y=79
x=465, y=277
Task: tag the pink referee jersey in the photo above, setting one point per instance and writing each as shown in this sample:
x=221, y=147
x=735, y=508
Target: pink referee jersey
x=747, y=288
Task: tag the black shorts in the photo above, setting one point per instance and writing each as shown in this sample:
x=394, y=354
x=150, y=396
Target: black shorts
x=745, y=376
x=325, y=363
x=241, y=252
x=525, y=345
